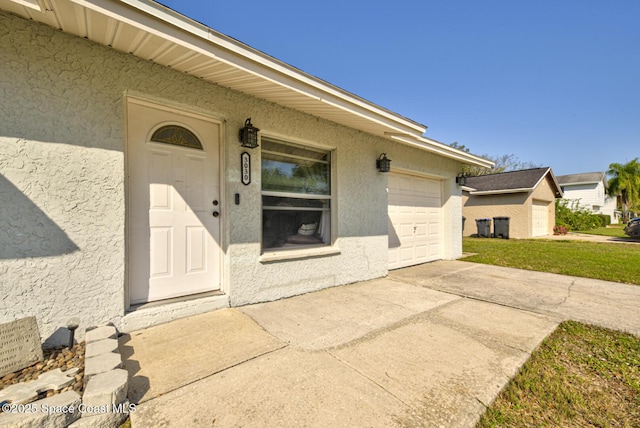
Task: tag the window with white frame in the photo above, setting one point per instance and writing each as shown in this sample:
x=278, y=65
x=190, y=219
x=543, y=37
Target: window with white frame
x=296, y=195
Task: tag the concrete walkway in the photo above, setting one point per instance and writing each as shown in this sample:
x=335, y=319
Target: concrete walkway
x=575, y=236
x=429, y=345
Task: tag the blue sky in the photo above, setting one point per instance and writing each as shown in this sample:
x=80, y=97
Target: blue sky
x=556, y=83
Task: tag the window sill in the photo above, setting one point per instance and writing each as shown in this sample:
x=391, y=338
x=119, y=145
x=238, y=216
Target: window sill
x=302, y=253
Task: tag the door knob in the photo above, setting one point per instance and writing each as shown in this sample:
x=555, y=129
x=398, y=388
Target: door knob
x=216, y=213
x=215, y=203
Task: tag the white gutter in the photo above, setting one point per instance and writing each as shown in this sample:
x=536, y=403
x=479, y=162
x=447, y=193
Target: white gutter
x=161, y=21
x=580, y=183
x=441, y=149
x=497, y=192
x=170, y=25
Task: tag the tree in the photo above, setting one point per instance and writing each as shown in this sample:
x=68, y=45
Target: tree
x=503, y=163
x=625, y=185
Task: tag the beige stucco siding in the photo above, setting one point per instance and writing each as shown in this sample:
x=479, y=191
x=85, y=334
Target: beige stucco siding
x=544, y=192
x=63, y=182
x=516, y=206
x=512, y=205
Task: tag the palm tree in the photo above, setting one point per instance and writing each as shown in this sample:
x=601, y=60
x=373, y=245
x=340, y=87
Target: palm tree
x=625, y=185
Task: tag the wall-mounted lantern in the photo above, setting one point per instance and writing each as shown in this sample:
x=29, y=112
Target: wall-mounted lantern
x=249, y=135
x=461, y=180
x=383, y=163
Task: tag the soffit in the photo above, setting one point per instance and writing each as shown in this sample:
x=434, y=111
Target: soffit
x=153, y=32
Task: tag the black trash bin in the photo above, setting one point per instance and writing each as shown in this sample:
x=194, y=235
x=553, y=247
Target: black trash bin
x=463, y=219
x=484, y=227
x=501, y=227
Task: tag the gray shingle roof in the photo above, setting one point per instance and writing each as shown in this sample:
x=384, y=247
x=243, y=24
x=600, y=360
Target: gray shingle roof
x=523, y=179
x=587, y=177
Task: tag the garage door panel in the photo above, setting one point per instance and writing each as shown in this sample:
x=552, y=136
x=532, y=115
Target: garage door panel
x=406, y=254
x=421, y=210
x=434, y=229
x=415, y=218
x=406, y=231
x=540, y=218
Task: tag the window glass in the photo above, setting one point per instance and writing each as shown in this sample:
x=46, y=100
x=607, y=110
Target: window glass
x=296, y=195
x=290, y=168
x=177, y=136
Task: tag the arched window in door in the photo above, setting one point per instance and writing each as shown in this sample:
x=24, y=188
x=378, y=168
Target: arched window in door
x=176, y=135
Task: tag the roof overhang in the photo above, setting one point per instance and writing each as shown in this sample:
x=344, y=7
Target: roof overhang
x=548, y=173
x=499, y=192
x=581, y=183
x=156, y=33
x=441, y=149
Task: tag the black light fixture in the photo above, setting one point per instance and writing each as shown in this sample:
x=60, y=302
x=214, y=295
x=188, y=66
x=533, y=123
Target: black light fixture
x=249, y=135
x=461, y=180
x=383, y=163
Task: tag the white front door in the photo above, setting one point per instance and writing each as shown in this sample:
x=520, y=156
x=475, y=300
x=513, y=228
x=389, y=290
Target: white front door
x=415, y=220
x=174, y=190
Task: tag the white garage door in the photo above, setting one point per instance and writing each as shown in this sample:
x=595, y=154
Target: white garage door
x=540, y=217
x=415, y=220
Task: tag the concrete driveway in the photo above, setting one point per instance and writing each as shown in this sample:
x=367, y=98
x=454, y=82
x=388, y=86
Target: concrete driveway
x=429, y=345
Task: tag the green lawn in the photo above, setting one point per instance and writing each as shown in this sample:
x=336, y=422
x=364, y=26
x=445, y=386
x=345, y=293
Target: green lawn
x=580, y=376
x=610, y=262
x=616, y=230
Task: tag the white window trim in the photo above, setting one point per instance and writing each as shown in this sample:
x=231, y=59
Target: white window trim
x=311, y=250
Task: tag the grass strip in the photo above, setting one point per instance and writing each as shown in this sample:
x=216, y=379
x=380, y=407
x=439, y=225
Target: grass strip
x=610, y=262
x=581, y=375
x=616, y=231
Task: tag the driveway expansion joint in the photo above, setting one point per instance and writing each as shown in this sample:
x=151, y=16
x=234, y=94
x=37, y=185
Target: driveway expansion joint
x=360, y=373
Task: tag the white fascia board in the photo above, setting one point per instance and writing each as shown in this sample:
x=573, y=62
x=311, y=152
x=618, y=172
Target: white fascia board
x=582, y=183
x=542, y=178
x=498, y=192
x=176, y=28
x=33, y=4
x=441, y=149
x=553, y=178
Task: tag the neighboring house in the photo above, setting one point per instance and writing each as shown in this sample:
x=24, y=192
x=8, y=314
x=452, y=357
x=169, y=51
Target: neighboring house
x=126, y=195
x=527, y=197
x=589, y=190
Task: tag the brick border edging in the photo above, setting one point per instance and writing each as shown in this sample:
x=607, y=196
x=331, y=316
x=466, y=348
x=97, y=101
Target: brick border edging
x=104, y=402
x=105, y=381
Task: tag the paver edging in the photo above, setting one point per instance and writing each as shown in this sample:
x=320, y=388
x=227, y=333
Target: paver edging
x=104, y=401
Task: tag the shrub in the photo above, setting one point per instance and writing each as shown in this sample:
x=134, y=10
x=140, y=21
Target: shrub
x=606, y=219
x=559, y=230
x=570, y=215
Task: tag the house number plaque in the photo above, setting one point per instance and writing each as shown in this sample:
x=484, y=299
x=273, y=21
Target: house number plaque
x=246, y=168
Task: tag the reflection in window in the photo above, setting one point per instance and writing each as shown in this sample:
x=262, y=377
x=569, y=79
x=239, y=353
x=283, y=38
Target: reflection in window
x=296, y=195
x=177, y=136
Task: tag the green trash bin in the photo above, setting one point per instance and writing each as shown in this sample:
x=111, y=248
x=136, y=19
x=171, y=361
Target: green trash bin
x=501, y=227
x=484, y=227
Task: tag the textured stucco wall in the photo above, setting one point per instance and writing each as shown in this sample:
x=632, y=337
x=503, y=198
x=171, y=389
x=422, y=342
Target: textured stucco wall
x=61, y=180
x=545, y=193
x=512, y=205
x=62, y=160
x=516, y=206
